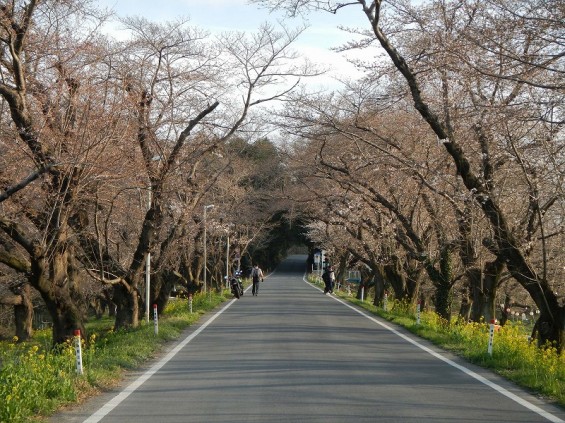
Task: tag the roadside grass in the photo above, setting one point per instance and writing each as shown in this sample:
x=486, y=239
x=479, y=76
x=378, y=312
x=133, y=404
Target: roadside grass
x=36, y=380
x=540, y=370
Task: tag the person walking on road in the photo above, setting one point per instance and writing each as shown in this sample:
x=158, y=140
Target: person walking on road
x=257, y=277
x=329, y=280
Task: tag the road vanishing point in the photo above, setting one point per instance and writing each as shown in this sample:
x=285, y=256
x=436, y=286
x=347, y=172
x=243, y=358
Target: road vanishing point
x=293, y=354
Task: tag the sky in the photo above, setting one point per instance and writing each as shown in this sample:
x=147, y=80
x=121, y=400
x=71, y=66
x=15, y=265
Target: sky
x=224, y=15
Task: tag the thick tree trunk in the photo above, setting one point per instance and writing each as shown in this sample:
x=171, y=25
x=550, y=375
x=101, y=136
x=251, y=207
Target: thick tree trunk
x=55, y=282
x=159, y=291
x=424, y=300
x=57, y=288
x=414, y=272
x=443, y=301
x=442, y=282
x=484, y=292
x=394, y=274
x=23, y=314
x=66, y=317
x=166, y=283
x=65, y=314
x=466, y=304
x=379, y=286
x=97, y=307
x=112, y=308
x=59, y=298
x=104, y=301
x=548, y=332
x=551, y=323
x=23, y=311
x=127, y=307
x=477, y=294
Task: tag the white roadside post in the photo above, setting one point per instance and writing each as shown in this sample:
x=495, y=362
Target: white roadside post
x=418, y=307
x=78, y=351
x=385, y=302
x=362, y=292
x=190, y=303
x=155, y=319
x=491, y=336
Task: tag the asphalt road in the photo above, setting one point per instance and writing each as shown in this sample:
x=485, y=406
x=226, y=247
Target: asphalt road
x=292, y=354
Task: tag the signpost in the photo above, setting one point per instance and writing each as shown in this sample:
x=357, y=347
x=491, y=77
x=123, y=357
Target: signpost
x=353, y=276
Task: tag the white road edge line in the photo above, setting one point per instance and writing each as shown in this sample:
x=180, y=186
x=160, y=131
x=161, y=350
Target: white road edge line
x=130, y=389
x=552, y=418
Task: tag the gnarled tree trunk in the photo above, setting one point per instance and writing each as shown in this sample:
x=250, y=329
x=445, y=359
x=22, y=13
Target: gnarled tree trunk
x=551, y=323
x=62, y=295
x=484, y=292
x=23, y=311
x=23, y=314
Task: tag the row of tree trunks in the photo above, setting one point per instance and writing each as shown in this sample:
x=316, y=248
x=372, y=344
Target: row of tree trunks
x=551, y=324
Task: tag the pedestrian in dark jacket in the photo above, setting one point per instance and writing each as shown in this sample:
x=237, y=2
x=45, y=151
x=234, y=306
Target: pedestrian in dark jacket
x=329, y=280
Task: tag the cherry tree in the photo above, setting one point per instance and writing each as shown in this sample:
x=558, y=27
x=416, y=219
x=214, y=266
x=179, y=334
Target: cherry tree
x=477, y=75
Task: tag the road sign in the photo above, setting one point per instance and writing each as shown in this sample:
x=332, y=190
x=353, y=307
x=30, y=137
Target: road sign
x=353, y=276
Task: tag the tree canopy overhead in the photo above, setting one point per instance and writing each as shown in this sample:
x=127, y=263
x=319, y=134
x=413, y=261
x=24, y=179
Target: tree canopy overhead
x=439, y=173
